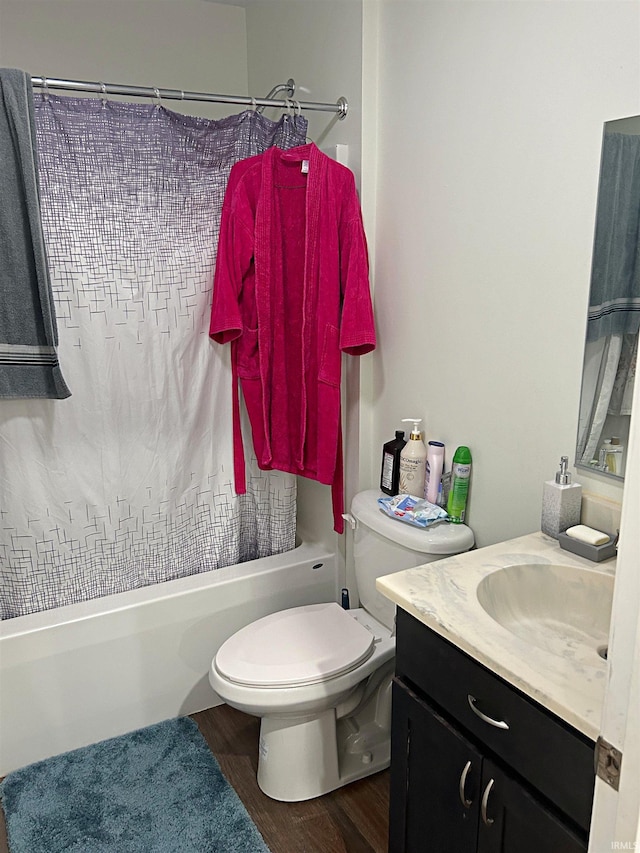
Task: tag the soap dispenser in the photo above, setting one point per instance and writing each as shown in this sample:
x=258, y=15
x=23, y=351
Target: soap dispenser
x=561, y=502
x=413, y=461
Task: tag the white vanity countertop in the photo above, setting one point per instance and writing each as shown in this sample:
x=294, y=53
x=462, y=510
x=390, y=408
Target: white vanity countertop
x=442, y=595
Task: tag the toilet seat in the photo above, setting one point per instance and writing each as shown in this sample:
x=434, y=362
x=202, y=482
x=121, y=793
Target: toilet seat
x=295, y=647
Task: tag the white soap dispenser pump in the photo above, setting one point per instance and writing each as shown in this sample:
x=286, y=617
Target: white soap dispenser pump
x=561, y=502
x=413, y=459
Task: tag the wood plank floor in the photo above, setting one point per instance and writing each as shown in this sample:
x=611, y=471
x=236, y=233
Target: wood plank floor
x=353, y=819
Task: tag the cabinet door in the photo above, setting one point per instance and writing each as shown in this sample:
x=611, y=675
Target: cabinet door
x=435, y=781
x=512, y=821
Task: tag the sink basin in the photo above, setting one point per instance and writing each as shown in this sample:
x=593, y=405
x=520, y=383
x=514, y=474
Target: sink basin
x=560, y=609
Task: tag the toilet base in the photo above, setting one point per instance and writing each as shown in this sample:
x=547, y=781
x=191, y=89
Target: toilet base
x=305, y=757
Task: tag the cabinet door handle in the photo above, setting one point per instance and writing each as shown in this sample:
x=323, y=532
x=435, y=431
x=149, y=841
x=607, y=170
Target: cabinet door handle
x=499, y=724
x=463, y=781
x=483, y=806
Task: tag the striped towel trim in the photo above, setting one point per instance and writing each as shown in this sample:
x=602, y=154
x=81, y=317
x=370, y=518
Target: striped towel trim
x=20, y=354
x=628, y=304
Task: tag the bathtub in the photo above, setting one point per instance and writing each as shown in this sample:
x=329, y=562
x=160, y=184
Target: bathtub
x=81, y=673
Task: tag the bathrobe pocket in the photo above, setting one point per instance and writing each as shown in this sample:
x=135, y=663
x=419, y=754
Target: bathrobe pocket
x=330, y=360
x=247, y=355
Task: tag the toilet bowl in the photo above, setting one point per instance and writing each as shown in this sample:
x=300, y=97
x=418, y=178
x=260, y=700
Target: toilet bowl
x=331, y=654
x=319, y=676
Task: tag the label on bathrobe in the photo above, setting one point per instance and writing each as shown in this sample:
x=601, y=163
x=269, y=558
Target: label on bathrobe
x=305, y=167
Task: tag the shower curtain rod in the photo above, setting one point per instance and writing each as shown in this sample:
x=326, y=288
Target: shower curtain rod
x=340, y=107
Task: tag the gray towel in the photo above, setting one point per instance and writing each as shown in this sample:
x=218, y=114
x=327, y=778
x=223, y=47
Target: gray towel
x=28, y=335
x=614, y=301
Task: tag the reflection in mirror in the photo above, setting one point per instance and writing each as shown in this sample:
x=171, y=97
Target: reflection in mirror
x=611, y=349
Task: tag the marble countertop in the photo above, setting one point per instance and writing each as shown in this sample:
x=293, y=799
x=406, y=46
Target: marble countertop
x=442, y=595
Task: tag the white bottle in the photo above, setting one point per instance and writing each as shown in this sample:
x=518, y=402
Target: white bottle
x=413, y=462
x=612, y=452
x=435, y=462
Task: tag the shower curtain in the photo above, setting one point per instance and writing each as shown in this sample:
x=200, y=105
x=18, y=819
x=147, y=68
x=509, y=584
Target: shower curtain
x=129, y=482
x=609, y=376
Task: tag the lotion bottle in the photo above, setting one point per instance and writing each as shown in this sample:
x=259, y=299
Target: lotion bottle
x=413, y=458
x=433, y=477
x=561, y=502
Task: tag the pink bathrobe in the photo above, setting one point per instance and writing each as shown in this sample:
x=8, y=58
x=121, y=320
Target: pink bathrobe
x=291, y=293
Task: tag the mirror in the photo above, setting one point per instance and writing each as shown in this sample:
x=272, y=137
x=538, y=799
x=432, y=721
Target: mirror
x=613, y=319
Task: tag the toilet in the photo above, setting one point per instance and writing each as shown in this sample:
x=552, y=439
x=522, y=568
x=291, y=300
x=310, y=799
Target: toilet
x=319, y=676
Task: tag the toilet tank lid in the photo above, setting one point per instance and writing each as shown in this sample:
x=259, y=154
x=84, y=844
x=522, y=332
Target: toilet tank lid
x=441, y=538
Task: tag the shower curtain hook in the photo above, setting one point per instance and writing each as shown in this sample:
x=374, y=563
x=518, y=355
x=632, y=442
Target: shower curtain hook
x=298, y=108
x=103, y=89
x=289, y=104
x=156, y=93
x=254, y=104
x=45, y=89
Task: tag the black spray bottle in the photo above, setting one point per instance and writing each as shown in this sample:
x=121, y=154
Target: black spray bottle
x=390, y=471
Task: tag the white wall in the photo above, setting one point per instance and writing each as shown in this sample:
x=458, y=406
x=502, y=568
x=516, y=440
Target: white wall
x=174, y=44
x=480, y=126
x=474, y=131
x=489, y=124
x=476, y=147
x=319, y=45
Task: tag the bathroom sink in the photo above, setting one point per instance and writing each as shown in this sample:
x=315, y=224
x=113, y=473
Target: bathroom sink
x=560, y=609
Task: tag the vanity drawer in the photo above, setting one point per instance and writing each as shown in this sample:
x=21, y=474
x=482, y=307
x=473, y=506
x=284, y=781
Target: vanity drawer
x=546, y=752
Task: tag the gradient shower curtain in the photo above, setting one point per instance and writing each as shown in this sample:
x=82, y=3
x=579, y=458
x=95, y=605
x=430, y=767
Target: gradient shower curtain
x=129, y=482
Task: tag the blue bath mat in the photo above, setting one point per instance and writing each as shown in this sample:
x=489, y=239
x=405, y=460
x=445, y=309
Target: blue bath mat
x=156, y=790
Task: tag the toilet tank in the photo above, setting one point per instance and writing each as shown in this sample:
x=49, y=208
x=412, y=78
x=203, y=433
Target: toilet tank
x=383, y=545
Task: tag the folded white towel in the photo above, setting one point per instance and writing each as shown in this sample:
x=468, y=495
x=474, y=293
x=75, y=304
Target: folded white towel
x=588, y=535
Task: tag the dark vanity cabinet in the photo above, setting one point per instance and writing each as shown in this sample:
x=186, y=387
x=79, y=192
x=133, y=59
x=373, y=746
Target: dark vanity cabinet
x=475, y=764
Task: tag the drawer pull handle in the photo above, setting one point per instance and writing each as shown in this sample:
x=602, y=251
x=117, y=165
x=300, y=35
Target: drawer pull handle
x=463, y=781
x=499, y=724
x=483, y=806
